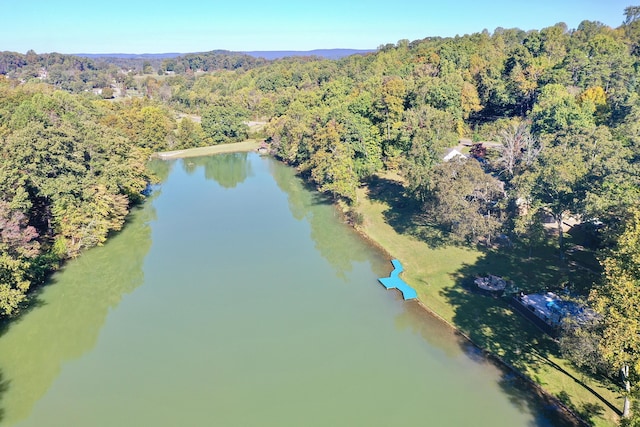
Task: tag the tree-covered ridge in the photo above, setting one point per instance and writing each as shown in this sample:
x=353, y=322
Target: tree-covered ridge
x=75, y=73
x=574, y=92
x=210, y=61
x=420, y=97
x=67, y=72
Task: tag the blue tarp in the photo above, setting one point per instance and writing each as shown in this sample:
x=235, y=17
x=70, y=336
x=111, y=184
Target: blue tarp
x=395, y=282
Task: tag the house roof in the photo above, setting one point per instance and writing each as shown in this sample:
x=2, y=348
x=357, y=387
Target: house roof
x=452, y=153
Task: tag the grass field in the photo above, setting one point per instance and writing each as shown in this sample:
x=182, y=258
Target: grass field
x=441, y=274
x=248, y=145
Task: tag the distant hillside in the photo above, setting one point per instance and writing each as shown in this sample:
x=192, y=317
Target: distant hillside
x=266, y=54
x=323, y=53
x=129, y=55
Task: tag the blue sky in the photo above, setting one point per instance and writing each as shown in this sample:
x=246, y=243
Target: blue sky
x=143, y=26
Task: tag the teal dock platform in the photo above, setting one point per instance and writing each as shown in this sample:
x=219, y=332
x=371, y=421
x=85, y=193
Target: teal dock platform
x=395, y=282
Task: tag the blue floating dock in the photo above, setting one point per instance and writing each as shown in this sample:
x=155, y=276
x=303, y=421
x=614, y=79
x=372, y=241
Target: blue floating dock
x=395, y=282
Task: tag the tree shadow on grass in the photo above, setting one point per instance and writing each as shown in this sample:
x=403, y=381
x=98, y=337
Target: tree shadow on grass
x=405, y=214
x=547, y=410
x=493, y=325
x=4, y=386
x=540, y=271
x=586, y=411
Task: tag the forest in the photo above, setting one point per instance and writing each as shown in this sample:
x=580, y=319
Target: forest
x=548, y=121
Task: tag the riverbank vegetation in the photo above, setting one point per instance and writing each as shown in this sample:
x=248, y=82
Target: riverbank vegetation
x=70, y=172
x=543, y=189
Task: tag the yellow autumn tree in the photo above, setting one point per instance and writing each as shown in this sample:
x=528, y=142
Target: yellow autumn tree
x=594, y=99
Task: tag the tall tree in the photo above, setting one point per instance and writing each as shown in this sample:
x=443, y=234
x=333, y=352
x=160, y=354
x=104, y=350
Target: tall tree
x=18, y=247
x=464, y=199
x=555, y=184
x=617, y=300
x=428, y=132
x=190, y=134
x=388, y=109
x=332, y=165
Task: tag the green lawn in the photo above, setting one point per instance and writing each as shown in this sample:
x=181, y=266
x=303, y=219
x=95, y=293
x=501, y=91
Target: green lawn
x=248, y=145
x=441, y=274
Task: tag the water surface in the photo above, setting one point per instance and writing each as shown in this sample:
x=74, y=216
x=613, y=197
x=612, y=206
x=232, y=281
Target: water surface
x=236, y=297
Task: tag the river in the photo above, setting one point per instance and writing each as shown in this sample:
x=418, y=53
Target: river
x=237, y=297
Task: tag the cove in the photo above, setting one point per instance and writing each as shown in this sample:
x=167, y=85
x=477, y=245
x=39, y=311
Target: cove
x=237, y=297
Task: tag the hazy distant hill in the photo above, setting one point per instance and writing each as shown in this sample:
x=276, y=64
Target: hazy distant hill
x=129, y=55
x=266, y=54
x=324, y=53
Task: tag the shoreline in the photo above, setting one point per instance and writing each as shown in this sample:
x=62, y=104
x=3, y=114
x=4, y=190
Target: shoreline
x=564, y=411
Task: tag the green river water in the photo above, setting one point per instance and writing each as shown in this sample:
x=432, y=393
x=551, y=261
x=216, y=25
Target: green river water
x=236, y=297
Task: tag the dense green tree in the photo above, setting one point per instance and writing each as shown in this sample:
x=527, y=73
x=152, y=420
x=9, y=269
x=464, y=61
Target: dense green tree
x=225, y=124
x=617, y=300
x=558, y=110
x=428, y=131
x=581, y=342
x=528, y=224
x=388, y=109
x=290, y=132
x=611, y=185
x=107, y=93
x=464, y=199
x=554, y=43
x=363, y=140
x=14, y=283
x=555, y=183
x=331, y=165
x=84, y=222
x=146, y=122
x=66, y=181
x=147, y=68
x=190, y=134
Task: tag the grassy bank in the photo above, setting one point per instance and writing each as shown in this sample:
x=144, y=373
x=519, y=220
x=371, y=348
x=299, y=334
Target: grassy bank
x=248, y=145
x=441, y=274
